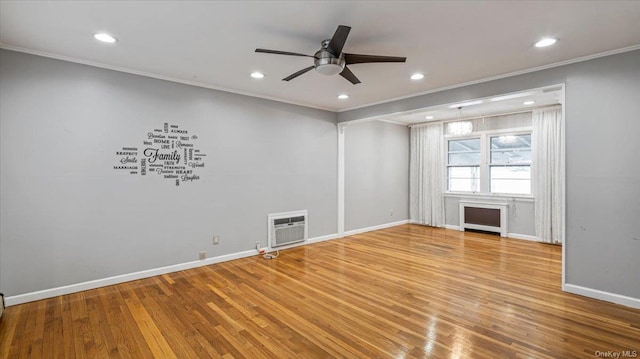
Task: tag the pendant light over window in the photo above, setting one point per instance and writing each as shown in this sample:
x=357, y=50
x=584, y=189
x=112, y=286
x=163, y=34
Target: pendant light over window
x=459, y=128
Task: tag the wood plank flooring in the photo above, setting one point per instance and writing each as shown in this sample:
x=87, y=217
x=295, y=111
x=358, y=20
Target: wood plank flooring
x=404, y=292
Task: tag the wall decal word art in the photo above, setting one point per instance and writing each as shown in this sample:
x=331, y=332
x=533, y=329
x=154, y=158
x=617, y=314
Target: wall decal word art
x=169, y=152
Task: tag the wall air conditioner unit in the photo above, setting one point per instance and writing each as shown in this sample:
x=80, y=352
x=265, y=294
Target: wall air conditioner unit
x=287, y=228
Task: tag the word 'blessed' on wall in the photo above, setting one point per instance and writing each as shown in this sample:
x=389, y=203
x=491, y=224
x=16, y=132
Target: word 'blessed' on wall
x=168, y=152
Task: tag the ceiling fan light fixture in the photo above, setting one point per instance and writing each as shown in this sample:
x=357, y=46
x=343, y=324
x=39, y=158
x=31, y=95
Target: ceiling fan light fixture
x=329, y=69
x=327, y=64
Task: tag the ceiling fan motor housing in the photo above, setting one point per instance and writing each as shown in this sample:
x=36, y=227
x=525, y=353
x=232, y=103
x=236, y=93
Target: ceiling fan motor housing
x=327, y=63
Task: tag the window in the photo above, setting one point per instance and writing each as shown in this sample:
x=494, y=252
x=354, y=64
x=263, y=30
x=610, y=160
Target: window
x=490, y=163
x=463, y=165
x=510, y=164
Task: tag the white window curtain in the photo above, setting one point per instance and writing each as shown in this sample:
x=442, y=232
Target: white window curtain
x=426, y=171
x=547, y=164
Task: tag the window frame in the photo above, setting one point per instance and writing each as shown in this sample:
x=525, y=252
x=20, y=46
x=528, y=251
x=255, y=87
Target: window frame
x=447, y=165
x=485, y=161
x=491, y=164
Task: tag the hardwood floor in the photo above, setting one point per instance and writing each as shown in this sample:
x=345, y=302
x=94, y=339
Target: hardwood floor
x=403, y=292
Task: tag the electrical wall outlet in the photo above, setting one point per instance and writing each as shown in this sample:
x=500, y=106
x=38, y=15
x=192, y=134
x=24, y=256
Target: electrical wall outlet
x=216, y=239
x=257, y=246
x=203, y=255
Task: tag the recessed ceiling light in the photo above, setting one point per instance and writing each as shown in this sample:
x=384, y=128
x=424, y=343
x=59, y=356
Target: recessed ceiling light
x=546, y=42
x=104, y=37
x=257, y=75
x=429, y=117
x=528, y=102
x=463, y=104
x=417, y=76
x=343, y=96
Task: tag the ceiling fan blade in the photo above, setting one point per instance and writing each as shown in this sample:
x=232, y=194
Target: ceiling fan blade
x=347, y=74
x=293, y=76
x=363, y=59
x=282, y=53
x=337, y=41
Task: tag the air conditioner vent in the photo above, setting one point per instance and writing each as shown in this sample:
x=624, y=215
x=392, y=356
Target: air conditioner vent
x=287, y=228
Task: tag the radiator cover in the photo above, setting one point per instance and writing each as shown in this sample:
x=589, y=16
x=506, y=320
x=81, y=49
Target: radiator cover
x=491, y=217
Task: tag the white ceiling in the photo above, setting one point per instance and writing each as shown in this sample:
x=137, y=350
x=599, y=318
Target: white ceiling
x=212, y=43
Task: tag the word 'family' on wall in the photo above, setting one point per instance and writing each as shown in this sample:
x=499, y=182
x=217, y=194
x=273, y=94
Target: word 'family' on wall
x=168, y=152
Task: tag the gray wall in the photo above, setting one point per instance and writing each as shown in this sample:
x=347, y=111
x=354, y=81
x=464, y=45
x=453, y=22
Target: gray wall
x=67, y=216
x=602, y=107
x=376, y=174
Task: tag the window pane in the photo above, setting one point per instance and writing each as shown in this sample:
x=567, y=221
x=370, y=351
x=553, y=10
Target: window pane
x=471, y=158
x=464, y=185
x=463, y=179
x=515, y=186
x=510, y=172
x=469, y=144
x=511, y=149
x=510, y=141
x=510, y=156
x=510, y=179
x=464, y=172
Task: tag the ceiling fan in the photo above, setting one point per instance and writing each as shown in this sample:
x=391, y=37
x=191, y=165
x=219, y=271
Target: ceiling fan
x=330, y=60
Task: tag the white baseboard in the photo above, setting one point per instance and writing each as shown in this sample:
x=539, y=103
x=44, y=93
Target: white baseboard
x=79, y=287
x=413, y=221
x=601, y=295
x=509, y=235
x=523, y=236
x=308, y=241
x=323, y=238
x=336, y=236
x=375, y=228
